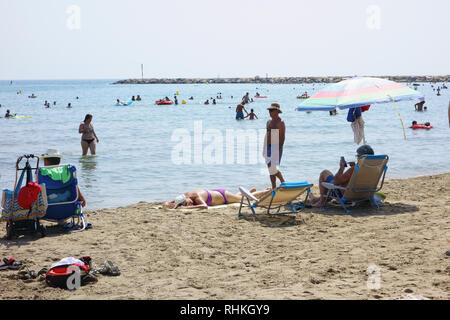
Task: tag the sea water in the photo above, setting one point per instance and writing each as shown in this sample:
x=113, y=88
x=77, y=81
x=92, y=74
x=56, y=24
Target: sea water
x=153, y=153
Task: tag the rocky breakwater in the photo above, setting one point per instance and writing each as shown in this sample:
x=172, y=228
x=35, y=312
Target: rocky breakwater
x=286, y=80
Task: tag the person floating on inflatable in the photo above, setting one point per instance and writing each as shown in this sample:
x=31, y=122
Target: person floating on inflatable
x=9, y=114
x=425, y=125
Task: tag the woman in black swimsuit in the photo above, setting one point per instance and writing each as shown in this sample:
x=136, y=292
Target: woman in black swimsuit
x=88, y=137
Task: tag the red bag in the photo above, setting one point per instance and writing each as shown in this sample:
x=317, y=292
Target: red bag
x=365, y=108
x=58, y=276
x=28, y=195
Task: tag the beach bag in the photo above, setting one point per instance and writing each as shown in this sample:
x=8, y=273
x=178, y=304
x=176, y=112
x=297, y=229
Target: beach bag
x=63, y=274
x=28, y=195
x=11, y=210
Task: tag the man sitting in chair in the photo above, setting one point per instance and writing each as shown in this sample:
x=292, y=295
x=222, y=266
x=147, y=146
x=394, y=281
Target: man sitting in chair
x=53, y=158
x=341, y=178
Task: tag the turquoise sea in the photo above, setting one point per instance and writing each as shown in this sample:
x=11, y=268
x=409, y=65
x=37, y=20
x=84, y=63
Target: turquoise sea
x=152, y=153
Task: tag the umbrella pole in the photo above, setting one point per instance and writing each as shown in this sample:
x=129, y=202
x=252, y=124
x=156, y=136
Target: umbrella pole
x=398, y=112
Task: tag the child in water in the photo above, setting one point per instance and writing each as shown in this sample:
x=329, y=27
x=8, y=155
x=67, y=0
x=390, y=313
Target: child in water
x=252, y=115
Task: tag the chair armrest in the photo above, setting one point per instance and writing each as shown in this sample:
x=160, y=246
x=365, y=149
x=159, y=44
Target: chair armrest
x=332, y=186
x=247, y=194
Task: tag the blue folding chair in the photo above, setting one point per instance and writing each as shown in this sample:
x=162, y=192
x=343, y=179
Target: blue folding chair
x=62, y=196
x=274, y=200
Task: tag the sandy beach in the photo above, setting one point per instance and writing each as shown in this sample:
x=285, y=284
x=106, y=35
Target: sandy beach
x=211, y=254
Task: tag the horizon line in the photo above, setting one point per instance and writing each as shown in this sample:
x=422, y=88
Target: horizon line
x=233, y=77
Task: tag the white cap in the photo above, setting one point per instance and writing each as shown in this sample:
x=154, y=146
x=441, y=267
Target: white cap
x=51, y=153
x=179, y=200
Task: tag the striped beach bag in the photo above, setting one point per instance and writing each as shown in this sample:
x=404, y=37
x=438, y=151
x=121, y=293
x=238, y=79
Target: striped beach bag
x=12, y=211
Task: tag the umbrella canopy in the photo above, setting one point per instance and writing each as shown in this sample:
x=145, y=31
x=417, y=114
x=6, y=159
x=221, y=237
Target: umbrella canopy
x=358, y=92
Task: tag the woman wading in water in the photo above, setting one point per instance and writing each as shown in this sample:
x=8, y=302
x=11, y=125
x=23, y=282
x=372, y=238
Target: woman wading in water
x=89, y=139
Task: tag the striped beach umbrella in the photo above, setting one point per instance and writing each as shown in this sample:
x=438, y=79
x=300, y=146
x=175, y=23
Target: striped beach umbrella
x=358, y=92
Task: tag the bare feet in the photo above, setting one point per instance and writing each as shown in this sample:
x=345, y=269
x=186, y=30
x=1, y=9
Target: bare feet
x=315, y=201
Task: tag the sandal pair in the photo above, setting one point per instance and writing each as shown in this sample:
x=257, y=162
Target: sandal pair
x=30, y=274
x=11, y=264
x=109, y=269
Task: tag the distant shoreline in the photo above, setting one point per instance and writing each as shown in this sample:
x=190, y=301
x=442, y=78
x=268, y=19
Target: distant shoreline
x=277, y=80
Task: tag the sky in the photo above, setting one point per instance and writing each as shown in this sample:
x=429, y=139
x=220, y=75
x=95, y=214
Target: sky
x=110, y=39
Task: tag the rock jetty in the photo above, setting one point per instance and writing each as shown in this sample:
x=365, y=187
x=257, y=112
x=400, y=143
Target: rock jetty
x=295, y=80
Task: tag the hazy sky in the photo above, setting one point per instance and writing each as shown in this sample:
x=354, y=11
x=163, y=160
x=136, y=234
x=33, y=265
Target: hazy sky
x=59, y=39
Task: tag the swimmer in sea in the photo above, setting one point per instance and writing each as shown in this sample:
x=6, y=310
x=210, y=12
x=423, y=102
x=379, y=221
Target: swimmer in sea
x=88, y=137
x=9, y=114
x=414, y=123
x=419, y=106
x=69, y=105
x=121, y=103
x=252, y=115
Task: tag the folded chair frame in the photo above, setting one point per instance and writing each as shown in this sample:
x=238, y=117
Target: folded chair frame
x=272, y=209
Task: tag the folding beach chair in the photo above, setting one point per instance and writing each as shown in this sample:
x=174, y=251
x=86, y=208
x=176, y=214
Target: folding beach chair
x=363, y=183
x=62, y=196
x=273, y=200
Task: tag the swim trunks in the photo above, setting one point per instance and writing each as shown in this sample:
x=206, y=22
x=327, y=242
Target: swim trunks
x=269, y=154
x=239, y=115
x=330, y=179
x=335, y=192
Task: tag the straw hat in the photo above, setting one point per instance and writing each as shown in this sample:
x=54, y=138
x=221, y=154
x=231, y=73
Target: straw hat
x=275, y=106
x=51, y=153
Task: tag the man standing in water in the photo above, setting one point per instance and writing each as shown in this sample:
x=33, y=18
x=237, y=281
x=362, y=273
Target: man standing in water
x=239, y=113
x=273, y=143
x=245, y=99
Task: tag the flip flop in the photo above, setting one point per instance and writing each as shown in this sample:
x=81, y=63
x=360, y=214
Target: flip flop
x=42, y=271
x=15, y=266
x=26, y=274
x=108, y=268
x=113, y=270
x=11, y=264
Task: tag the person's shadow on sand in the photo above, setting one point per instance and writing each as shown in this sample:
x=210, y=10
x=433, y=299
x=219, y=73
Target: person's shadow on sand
x=359, y=211
x=366, y=209
x=27, y=239
x=274, y=221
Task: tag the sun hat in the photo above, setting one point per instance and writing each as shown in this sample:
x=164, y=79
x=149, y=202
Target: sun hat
x=275, y=106
x=51, y=153
x=179, y=200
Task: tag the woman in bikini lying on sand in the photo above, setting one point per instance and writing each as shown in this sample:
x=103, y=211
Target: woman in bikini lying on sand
x=202, y=199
